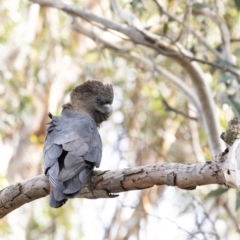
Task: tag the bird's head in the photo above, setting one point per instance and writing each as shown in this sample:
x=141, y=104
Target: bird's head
x=94, y=98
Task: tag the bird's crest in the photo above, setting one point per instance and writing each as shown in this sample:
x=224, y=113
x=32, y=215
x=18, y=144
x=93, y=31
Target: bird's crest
x=92, y=88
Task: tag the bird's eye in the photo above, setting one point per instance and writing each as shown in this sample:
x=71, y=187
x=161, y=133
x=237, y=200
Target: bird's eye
x=99, y=101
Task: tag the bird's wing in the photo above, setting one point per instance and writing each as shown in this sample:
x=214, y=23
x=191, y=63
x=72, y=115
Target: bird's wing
x=72, y=148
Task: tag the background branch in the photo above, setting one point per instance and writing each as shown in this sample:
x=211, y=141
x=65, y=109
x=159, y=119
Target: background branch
x=143, y=62
x=163, y=46
x=225, y=35
x=169, y=108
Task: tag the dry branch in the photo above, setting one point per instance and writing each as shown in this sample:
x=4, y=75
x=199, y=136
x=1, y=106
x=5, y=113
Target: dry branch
x=103, y=183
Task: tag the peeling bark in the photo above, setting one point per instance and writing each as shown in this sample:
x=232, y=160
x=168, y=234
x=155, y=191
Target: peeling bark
x=16, y=195
x=104, y=184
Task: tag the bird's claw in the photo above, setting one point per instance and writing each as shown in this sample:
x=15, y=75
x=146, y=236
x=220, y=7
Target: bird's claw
x=111, y=195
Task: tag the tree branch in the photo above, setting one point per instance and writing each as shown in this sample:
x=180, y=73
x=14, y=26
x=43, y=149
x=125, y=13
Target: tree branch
x=143, y=62
x=189, y=29
x=225, y=34
x=163, y=46
x=103, y=183
x=169, y=108
x=226, y=56
x=181, y=56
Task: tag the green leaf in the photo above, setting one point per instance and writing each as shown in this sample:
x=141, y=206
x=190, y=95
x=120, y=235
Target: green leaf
x=217, y=192
x=165, y=28
x=200, y=5
x=237, y=51
x=224, y=63
x=238, y=201
x=237, y=3
x=224, y=78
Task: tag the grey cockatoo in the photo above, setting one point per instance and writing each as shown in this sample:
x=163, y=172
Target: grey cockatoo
x=73, y=145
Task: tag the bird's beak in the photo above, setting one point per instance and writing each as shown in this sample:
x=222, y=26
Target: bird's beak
x=108, y=109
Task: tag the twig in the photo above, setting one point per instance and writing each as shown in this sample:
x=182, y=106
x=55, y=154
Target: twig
x=225, y=38
x=189, y=29
x=231, y=215
x=169, y=108
x=160, y=218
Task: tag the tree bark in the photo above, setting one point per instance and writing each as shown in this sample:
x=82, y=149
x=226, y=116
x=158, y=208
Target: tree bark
x=104, y=184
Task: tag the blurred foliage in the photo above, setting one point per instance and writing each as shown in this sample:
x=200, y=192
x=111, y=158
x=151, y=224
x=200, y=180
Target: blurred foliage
x=217, y=192
x=237, y=3
x=42, y=59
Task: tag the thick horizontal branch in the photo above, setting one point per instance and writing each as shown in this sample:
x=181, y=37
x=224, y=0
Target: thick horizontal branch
x=103, y=184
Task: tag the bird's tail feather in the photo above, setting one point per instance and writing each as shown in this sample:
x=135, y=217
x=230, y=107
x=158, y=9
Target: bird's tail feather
x=54, y=203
